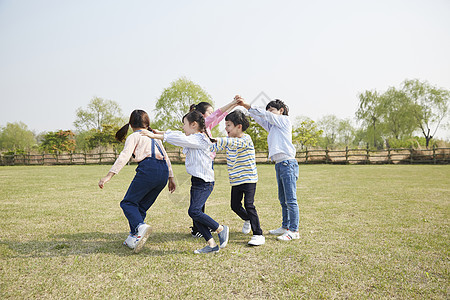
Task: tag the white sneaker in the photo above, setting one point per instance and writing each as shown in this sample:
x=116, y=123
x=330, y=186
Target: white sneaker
x=130, y=242
x=257, y=240
x=141, y=237
x=289, y=235
x=278, y=231
x=247, y=227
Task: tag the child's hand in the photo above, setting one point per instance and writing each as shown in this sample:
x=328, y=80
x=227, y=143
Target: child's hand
x=147, y=133
x=172, y=185
x=156, y=131
x=102, y=182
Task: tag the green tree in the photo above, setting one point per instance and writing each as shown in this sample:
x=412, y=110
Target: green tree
x=258, y=135
x=105, y=138
x=58, y=141
x=175, y=101
x=16, y=137
x=329, y=126
x=345, y=132
x=370, y=114
x=98, y=113
x=430, y=105
x=305, y=133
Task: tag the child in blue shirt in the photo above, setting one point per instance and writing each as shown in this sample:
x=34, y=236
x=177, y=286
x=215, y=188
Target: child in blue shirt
x=274, y=119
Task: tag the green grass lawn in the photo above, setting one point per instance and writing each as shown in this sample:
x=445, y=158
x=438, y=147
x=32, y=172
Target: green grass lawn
x=365, y=232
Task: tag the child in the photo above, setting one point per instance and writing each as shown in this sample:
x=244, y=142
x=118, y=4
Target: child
x=281, y=150
x=151, y=177
x=196, y=144
x=242, y=172
x=212, y=118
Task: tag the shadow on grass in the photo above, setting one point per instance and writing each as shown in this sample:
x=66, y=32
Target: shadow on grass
x=89, y=243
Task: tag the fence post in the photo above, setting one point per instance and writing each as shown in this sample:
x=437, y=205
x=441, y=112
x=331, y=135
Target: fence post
x=85, y=158
x=346, y=155
x=434, y=154
x=411, y=155
x=306, y=155
x=71, y=157
x=389, y=155
x=100, y=157
x=326, y=154
x=367, y=155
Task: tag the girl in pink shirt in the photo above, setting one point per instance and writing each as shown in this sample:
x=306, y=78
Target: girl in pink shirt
x=212, y=119
x=153, y=171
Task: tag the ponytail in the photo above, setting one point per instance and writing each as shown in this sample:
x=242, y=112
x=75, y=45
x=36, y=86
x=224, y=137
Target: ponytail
x=122, y=132
x=196, y=116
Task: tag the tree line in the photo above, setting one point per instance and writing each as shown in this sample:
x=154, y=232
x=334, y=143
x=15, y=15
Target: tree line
x=408, y=116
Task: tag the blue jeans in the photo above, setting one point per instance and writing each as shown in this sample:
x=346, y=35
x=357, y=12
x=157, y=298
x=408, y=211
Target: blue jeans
x=150, y=179
x=200, y=191
x=287, y=175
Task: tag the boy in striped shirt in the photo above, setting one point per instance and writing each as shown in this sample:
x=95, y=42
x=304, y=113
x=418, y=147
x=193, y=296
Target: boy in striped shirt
x=241, y=172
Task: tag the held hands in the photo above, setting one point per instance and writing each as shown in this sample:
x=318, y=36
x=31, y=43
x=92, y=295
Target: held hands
x=240, y=101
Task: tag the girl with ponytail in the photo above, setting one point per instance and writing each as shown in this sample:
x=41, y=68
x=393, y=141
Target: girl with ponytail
x=153, y=171
x=212, y=118
x=196, y=143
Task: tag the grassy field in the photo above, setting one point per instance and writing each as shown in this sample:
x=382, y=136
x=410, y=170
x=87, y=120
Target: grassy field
x=366, y=232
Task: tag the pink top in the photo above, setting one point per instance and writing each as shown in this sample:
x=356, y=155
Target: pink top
x=141, y=147
x=211, y=121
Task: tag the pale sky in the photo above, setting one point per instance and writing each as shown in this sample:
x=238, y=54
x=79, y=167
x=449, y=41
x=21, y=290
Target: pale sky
x=56, y=55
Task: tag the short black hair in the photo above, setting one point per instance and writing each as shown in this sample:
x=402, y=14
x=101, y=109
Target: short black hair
x=278, y=104
x=238, y=117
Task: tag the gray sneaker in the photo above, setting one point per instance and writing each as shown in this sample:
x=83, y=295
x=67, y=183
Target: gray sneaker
x=223, y=236
x=207, y=249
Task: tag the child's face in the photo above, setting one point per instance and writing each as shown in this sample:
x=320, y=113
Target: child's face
x=189, y=128
x=233, y=130
x=275, y=111
x=208, y=112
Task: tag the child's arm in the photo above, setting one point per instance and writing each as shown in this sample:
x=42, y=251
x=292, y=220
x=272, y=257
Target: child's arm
x=171, y=185
x=263, y=117
x=105, y=179
x=231, y=143
x=213, y=119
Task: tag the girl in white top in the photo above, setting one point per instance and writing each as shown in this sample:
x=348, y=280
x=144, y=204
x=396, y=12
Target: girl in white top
x=196, y=146
x=152, y=174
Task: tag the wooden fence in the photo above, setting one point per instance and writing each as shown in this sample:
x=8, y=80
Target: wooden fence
x=323, y=156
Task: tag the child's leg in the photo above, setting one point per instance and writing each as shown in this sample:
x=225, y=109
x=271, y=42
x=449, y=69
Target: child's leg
x=281, y=196
x=289, y=176
x=249, y=199
x=200, y=192
x=237, y=192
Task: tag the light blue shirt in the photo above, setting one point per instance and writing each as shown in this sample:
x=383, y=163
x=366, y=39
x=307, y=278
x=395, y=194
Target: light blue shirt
x=196, y=148
x=279, y=138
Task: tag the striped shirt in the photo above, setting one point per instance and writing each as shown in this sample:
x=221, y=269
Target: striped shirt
x=196, y=148
x=279, y=138
x=241, y=160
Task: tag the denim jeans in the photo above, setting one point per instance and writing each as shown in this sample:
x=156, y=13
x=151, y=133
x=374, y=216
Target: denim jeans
x=249, y=213
x=150, y=179
x=200, y=191
x=287, y=175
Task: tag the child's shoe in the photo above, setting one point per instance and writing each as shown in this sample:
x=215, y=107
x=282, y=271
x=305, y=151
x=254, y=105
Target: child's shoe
x=207, y=249
x=130, y=242
x=141, y=237
x=257, y=240
x=289, y=235
x=247, y=227
x=223, y=236
x=278, y=231
x=195, y=233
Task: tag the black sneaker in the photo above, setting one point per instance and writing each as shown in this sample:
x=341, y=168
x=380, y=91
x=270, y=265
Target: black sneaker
x=195, y=233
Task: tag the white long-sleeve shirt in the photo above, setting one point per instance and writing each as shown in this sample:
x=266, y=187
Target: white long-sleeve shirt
x=196, y=148
x=141, y=147
x=279, y=138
